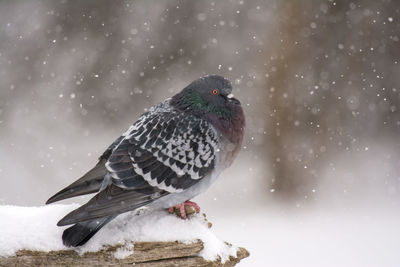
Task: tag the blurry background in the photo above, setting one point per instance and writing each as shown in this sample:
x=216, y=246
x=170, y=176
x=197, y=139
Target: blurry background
x=318, y=180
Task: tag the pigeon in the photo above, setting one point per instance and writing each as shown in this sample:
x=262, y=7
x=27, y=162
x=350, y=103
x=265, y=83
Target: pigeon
x=172, y=153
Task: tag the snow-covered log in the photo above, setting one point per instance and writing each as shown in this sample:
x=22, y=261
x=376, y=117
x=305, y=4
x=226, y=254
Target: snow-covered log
x=144, y=254
x=29, y=237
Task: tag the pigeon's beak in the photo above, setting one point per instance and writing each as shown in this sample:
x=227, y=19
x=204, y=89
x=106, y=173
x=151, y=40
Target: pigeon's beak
x=231, y=99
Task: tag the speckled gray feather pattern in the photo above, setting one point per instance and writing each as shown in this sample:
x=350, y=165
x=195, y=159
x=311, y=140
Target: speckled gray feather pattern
x=165, y=158
x=169, y=149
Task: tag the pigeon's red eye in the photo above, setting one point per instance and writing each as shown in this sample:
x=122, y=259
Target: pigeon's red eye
x=215, y=92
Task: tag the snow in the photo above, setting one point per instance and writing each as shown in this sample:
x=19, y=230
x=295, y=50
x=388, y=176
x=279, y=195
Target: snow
x=34, y=228
x=320, y=238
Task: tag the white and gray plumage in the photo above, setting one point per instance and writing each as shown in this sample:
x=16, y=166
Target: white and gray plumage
x=171, y=154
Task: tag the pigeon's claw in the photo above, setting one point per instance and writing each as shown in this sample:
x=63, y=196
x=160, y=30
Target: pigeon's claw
x=184, y=209
x=192, y=204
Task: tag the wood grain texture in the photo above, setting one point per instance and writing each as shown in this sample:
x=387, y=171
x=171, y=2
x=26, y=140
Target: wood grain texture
x=157, y=254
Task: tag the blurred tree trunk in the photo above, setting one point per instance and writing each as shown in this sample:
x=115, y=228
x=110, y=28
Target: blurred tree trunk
x=324, y=87
x=285, y=59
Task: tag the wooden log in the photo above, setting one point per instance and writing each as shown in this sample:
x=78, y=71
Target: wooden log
x=145, y=254
x=142, y=254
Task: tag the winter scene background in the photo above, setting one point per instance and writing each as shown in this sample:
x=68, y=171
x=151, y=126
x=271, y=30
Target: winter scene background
x=318, y=180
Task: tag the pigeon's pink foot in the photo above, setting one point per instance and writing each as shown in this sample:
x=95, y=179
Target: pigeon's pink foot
x=192, y=204
x=181, y=208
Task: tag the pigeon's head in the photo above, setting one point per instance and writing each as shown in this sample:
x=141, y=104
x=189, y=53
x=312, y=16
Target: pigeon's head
x=211, y=98
x=209, y=95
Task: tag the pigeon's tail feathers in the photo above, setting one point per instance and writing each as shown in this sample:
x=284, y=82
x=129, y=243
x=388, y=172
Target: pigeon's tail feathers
x=111, y=202
x=87, y=184
x=80, y=233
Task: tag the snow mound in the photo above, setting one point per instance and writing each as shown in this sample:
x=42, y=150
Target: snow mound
x=34, y=228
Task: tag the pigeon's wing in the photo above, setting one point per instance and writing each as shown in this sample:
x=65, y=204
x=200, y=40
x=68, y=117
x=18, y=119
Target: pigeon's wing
x=169, y=150
x=163, y=153
x=91, y=181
